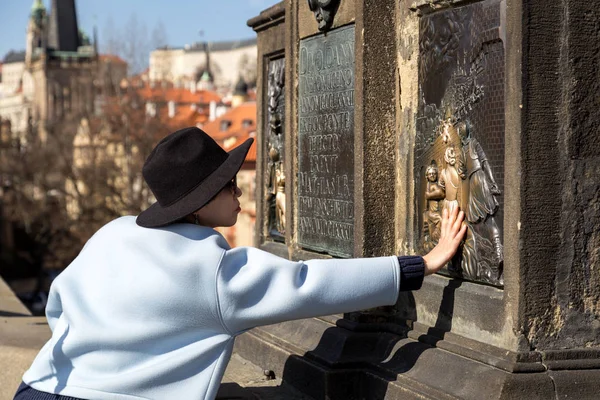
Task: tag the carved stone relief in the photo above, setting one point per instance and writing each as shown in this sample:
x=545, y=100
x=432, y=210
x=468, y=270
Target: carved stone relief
x=275, y=149
x=461, y=113
x=324, y=11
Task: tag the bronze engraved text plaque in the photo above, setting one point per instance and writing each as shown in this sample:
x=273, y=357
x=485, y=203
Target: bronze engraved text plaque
x=326, y=143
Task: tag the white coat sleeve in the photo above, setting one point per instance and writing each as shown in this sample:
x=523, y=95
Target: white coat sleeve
x=258, y=288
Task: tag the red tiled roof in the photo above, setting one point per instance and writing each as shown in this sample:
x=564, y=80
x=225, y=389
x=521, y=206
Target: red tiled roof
x=184, y=117
x=112, y=58
x=138, y=80
x=252, y=152
x=239, y=139
x=235, y=129
x=236, y=116
x=201, y=119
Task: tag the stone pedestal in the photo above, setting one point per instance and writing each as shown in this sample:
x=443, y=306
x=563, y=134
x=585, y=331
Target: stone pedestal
x=357, y=101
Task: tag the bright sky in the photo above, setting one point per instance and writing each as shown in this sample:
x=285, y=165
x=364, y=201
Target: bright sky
x=182, y=19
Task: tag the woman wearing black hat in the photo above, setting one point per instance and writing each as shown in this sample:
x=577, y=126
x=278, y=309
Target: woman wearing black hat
x=151, y=306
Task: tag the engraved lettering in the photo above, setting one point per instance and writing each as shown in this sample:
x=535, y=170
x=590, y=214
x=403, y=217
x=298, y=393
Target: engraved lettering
x=339, y=55
x=327, y=101
x=332, y=229
x=325, y=176
x=324, y=143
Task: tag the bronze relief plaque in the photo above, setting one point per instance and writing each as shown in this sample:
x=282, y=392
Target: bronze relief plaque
x=459, y=148
x=274, y=124
x=326, y=143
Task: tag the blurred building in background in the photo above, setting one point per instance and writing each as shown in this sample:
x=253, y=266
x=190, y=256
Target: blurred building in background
x=53, y=77
x=59, y=73
x=219, y=64
x=181, y=106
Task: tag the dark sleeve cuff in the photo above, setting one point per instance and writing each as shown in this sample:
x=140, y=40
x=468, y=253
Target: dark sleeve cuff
x=412, y=272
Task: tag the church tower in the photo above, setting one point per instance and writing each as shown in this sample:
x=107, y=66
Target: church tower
x=63, y=31
x=36, y=31
x=62, y=64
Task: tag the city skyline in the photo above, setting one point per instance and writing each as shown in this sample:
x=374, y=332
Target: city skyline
x=180, y=25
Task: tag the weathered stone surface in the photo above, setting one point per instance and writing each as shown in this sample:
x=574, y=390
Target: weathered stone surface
x=244, y=380
x=377, y=140
x=538, y=336
x=21, y=337
x=560, y=216
x=10, y=305
x=307, y=25
x=271, y=37
x=375, y=365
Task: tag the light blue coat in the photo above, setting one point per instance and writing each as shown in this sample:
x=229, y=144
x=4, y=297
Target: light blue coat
x=153, y=313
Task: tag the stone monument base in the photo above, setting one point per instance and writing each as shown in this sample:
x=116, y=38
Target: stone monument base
x=331, y=358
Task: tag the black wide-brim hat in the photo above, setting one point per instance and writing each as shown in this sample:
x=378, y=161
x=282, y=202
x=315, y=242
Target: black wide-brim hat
x=185, y=171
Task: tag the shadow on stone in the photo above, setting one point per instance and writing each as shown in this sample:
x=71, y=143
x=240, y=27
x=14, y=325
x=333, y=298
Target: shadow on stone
x=443, y=322
x=13, y=314
x=358, y=361
x=233, y=391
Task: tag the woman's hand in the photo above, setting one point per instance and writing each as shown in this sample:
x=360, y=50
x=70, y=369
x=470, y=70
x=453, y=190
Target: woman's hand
x=452, y=232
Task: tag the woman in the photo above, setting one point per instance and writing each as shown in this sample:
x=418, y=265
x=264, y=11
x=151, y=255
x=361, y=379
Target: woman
x=151, y=306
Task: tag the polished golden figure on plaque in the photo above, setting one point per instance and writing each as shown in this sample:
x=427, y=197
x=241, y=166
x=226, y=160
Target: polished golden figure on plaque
x=464, y=180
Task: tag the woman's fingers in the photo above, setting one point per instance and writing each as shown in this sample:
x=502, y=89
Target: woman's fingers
x=461, y=234
x=457, y=223
x=452, y=224
x=449, y=217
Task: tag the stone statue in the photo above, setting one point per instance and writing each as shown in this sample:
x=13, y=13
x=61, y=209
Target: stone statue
x=431, y=217
x=324, y=12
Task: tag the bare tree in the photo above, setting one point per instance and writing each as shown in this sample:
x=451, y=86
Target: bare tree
x=159, y=36
x=247, y=68
x=56, y=194
x=111, y=43
x=130, y=42
x=136, y=46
